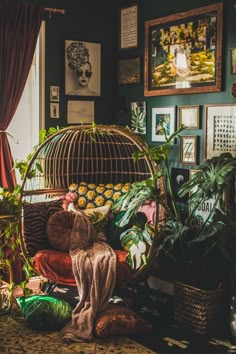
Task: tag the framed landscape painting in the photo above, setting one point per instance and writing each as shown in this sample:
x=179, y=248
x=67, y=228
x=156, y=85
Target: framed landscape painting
x=183, y=52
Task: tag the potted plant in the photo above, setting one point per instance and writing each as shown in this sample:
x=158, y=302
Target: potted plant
x=10, y=245
x=195, y=247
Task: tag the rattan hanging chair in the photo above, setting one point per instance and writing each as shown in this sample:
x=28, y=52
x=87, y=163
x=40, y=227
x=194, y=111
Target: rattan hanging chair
x=100, y=155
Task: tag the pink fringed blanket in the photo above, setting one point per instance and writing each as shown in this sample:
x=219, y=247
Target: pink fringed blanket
x=94, y=266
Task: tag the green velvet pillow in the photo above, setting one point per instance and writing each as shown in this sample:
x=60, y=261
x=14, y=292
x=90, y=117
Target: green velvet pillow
x=43, y=312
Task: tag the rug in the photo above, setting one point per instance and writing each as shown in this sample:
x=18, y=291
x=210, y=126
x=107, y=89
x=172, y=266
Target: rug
x=17, y=338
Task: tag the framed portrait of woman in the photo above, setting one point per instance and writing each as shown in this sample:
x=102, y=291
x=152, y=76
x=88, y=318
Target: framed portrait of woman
x=82, y=68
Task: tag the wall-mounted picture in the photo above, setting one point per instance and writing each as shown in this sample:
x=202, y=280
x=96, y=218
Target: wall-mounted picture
x=220, y=130
x=82, y=68
x=189, y=116
x=233, y=60
x=54, y=93
x=129, y=27
x=129, y=71
x=54, y=110
x=188, y=149
x=138, y=117
x=163, y=117
x=80, y=112
x=178, y=177
x=183, y=52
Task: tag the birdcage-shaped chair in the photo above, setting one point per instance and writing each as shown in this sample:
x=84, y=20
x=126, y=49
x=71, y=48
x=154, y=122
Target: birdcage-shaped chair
x=101, y=155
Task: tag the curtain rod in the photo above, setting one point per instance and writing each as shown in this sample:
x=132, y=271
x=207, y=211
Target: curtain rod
x=49, y=9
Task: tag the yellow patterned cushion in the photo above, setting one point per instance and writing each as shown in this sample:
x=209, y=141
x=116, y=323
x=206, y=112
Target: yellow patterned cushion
x=90, y=195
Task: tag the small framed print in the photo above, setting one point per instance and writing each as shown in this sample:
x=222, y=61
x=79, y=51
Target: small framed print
x=129, y=71
x=54, y=93
x=188, y=149
x=233, y=60
x=80, y=112
x=163, y=117
x=54, y=110
x=189, y=116
x=178, y=177
x=129, y=27
x=220, y=129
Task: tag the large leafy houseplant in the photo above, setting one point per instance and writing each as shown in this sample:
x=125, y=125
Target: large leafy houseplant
x=10, y=246
x=195, y=247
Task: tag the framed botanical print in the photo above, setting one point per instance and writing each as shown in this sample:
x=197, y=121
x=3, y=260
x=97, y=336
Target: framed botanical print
x=188, y=149
x=163, y=117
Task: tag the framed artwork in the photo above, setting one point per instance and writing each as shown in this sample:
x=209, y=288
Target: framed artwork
x=183, y=52
x=80, y=112
x=202, y=212
x=54, y=93
x=220, y=130
x=54, y=110
x=188, y=149
x=189, y=116
x=163, y=117
x=233, y=60
x=82, y=68
x=129, y=27
x=178, y=177
x=129, y=71
x=138, y=117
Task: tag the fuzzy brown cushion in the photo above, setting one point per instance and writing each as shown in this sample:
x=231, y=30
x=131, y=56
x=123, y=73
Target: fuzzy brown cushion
x=59, y=228
x=120, y=320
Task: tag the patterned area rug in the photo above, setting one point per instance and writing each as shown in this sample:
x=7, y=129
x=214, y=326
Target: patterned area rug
x=17, y=338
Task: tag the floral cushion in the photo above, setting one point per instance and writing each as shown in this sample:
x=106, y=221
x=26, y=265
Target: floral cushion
x=89, y=195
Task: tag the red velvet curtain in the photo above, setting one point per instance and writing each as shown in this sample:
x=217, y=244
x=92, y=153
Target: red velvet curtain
x=19, y=28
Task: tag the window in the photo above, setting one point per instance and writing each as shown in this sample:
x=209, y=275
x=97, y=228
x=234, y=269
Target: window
x=29, y=116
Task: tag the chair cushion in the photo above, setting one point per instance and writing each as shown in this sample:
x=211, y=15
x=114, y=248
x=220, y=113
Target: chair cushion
x=57, y=267
x=36, y=216
x=120, y=320
x=59, y=227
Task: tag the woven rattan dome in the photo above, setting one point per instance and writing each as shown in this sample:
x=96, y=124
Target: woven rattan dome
x=82, y=153
x=100, y=155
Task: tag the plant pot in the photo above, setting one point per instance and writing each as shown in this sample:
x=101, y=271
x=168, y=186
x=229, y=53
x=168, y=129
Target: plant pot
x=198, y=310
x=5, y=298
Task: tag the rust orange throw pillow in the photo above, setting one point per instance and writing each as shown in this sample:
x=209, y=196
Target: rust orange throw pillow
x=59, y=228
x=120, y=320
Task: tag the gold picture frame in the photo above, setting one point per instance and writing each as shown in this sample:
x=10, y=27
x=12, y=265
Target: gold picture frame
x=188, y=149
x=183, y=52
x=189, y=116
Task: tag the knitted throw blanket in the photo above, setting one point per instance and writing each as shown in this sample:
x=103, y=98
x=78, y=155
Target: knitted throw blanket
x=94, y=266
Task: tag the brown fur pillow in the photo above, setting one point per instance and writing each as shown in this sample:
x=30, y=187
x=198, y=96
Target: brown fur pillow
x=59, y=228
x=120, y=320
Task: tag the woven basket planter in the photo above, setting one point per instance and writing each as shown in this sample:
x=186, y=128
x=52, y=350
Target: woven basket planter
x=199, y=310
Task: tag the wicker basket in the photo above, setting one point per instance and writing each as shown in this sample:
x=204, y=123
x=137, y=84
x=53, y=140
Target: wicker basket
x=199, y=310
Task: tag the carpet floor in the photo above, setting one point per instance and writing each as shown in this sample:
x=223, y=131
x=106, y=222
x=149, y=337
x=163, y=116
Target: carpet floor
x=17, y=338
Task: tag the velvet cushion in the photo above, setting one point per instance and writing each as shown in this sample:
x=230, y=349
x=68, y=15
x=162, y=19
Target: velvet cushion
x=120, y=320
x=57, y=266
x=59, y=227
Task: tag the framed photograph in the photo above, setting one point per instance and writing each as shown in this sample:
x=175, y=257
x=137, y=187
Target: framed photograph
x=138, y=117
x=80, y=112
x=178, y=177
x=220, y=130
x=189, y=116
x=202, y=212
x=183, y=52
x=82, y=68
x=54, y=110
x=129, y=71
x=54, y=93
x=188, y=149
x=163, y=117
x=233, y=60
x=129, y=27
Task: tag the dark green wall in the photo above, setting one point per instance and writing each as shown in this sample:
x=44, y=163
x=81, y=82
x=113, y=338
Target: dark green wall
x=151, y=9
x=95, y=21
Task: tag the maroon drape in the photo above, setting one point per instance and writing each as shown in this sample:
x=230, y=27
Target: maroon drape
x=19, y=28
